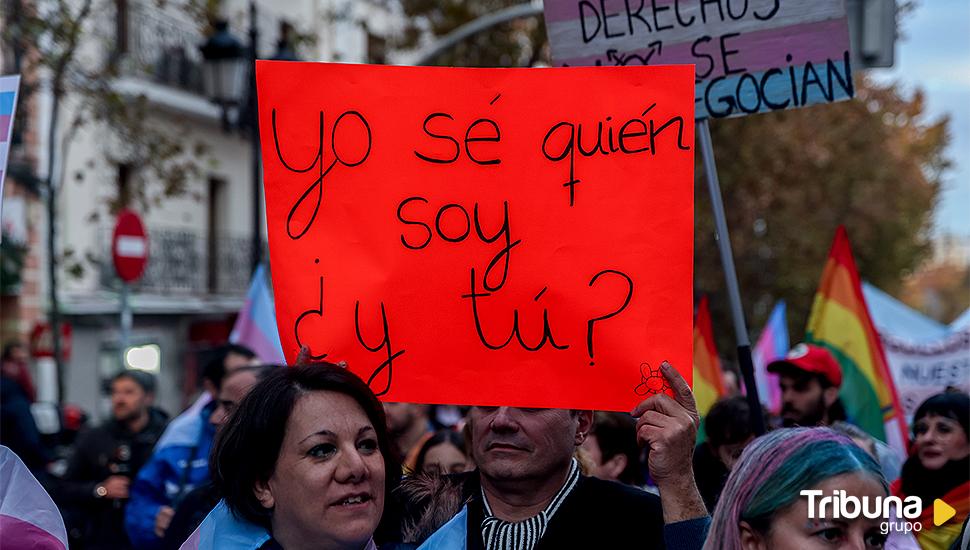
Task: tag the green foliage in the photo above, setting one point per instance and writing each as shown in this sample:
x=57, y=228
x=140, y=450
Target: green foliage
x=790, y=178
x=941, y=291
x=520, y=43
x=13, y=255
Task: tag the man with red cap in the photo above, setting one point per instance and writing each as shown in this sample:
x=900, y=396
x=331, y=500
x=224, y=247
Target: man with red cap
x=810, y=379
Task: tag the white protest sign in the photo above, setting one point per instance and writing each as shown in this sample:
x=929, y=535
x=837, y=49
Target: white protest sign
x=750, y=56
x=924, y=369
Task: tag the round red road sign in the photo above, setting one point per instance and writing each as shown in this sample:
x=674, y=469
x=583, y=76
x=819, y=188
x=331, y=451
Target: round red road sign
x=129, y=246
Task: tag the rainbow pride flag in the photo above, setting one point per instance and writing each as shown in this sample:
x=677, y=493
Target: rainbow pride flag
x=772, y=344
x=708, y=380
x=840, y=322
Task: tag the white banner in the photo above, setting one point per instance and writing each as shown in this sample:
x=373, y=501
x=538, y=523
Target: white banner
x=924, y=369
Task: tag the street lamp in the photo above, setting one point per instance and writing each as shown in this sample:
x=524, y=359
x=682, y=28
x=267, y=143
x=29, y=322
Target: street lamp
x=229, y=79
x=224, y=70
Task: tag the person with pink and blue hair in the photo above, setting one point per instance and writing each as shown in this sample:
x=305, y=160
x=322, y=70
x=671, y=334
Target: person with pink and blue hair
x=762, y=508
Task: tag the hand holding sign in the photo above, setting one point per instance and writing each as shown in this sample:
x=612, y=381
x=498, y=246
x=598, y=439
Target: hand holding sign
x=668, y=426
x=482, y=236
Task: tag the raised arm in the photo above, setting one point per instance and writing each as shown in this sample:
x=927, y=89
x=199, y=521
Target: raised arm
x=669, y=427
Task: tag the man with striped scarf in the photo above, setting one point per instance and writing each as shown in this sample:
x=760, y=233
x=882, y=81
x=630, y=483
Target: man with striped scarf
x=528, y=493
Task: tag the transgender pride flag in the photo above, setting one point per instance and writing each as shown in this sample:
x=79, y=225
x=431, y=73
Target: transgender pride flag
x=256, y=325
x=8, y=104
x=28, y=517
x=223, y=530
x=772, y=344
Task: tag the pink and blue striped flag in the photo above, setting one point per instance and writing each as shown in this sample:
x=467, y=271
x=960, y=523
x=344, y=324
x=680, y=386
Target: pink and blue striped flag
x=8, y=106
x=28, y=517
x=223, y=530
x=772, y=344
x=256, y=325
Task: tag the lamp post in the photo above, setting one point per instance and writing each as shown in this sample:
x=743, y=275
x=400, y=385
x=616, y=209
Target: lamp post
x=224, y=70
x=229, y=79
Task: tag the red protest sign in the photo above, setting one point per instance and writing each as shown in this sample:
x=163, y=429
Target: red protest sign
x=483, y=236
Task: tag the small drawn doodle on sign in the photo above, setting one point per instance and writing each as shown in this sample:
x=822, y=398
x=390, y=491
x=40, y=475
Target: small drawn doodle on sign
x=613, y=55
x=652, y=381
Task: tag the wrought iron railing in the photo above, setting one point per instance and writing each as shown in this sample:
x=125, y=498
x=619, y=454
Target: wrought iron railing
x=186, y=263
x=231, y=265
x=161, y=47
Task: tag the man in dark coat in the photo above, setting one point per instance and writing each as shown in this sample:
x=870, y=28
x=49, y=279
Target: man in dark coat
x=95, y=487
x=528, y=493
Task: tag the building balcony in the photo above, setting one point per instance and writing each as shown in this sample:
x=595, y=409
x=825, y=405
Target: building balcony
x=158, y=57
x=186, y=264
x=159, y=46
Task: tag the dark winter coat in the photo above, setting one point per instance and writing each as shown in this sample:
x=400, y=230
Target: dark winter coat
x=109, y=449
x=18, y=430
x=596, y=514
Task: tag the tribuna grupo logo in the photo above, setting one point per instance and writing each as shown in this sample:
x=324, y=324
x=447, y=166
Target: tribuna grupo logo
x=838, y=505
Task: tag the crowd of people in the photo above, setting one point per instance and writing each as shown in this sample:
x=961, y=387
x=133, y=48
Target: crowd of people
x=307, y=457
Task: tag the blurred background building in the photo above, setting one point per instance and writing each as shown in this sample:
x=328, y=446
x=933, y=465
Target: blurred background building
x=197, y=206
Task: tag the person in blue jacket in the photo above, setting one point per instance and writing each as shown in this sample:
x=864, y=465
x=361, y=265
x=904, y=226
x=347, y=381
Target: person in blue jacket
x=176, y=467
x=180, y=460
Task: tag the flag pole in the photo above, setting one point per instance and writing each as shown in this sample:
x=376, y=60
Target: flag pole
x=730, y=276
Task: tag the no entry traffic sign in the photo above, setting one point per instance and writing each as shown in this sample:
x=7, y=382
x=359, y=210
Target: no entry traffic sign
x=129, y=246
